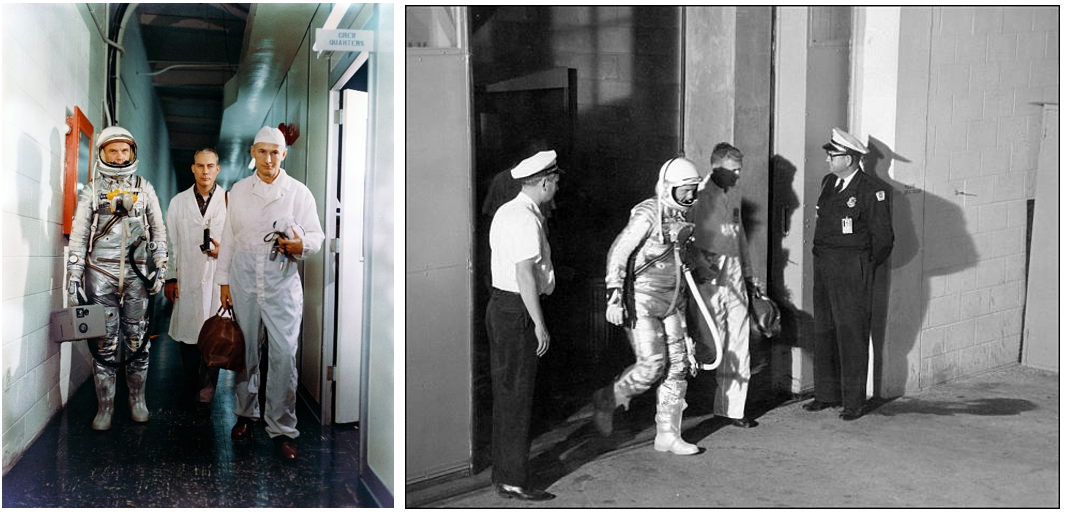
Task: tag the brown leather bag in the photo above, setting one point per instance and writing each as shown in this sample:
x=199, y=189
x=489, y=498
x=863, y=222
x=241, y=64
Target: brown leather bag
x=221, y=342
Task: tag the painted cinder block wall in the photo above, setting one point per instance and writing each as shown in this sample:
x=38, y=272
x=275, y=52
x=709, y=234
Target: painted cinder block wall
x=42, y=82
x=41, y=86
x=989, y=69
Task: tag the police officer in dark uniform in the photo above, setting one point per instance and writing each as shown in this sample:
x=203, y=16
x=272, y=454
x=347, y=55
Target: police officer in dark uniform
x=853, y=237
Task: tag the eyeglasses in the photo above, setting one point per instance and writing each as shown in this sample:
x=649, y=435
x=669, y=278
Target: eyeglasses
x=722, y=169
x=831, y=154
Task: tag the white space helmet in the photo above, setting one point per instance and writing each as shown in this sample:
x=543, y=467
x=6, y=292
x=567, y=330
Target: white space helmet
x=111, y=135
x=676, y=173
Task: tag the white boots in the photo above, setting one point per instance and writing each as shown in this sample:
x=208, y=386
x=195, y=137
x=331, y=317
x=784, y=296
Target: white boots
x=136, y=382
x=667, y=421
x=105, y=398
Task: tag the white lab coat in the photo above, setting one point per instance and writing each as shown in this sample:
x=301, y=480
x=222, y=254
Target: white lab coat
x=267, y=294
x=194, y=270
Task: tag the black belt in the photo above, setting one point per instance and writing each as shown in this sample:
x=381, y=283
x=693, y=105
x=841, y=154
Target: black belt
x=499, y=292
x=825, y=249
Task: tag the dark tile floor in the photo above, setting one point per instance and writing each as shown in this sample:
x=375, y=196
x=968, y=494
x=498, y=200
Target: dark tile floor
x=179, y=458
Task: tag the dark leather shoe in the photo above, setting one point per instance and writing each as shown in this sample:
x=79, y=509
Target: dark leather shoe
x=817, y=405
x=605, y=404
x=287, y=449
x=242, y=430
x=850, y=414
x=744, y=422
x=522, y=493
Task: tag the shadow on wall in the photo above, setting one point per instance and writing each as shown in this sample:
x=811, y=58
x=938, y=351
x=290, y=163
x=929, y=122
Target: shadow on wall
x=34, y=215
x=897, y=322
x=796, y=325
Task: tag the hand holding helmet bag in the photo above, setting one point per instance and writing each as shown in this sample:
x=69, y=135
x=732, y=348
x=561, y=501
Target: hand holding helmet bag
x=221, y=341
x=765, y=315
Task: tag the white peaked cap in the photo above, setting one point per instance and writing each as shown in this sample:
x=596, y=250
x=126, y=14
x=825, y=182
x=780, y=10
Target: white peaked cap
x=541, y=162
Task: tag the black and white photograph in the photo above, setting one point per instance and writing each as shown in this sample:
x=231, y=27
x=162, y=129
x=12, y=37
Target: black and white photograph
x=731, y=256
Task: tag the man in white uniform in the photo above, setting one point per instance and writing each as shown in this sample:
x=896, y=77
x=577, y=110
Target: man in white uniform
x=273, y=222
x=196, y=218
x=522, y=272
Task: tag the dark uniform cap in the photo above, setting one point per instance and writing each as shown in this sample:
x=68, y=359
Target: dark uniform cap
x=541, y=163
x=842, y=142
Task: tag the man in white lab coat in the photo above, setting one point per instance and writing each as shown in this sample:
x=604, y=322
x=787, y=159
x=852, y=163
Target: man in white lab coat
x=195, y=218
x=273, y=222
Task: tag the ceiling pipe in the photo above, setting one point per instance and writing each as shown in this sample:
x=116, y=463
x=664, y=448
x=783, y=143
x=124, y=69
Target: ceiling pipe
x=681, y=65
x=168, y=68
x=101, y=31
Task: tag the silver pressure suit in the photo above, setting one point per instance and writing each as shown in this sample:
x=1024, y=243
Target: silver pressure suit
x=656, y=327
x=99, y=246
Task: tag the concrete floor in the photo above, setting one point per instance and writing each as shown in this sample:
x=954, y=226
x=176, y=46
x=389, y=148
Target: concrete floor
x=990, y=440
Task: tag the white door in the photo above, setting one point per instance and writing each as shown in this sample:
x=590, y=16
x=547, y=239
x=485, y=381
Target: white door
x=347, y=372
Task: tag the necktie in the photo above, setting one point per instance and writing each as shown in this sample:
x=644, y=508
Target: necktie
x=839, y=185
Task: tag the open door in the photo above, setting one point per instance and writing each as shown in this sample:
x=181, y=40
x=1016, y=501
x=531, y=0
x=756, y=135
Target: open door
x=345, y=221
x=352, y=256
x=513, y=118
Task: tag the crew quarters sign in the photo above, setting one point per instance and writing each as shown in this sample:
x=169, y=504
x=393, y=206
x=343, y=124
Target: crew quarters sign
x=343, y=40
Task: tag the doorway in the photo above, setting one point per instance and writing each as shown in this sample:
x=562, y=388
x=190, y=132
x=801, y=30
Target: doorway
x=345, y=230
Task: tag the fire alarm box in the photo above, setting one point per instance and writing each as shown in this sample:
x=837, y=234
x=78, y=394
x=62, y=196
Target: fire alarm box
x=78, y=164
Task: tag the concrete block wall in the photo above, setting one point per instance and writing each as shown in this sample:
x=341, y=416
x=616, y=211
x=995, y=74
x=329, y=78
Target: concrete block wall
x=42, y=83
x=990, y=67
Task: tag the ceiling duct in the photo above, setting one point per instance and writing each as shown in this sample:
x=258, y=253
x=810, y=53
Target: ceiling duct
x=271, y=39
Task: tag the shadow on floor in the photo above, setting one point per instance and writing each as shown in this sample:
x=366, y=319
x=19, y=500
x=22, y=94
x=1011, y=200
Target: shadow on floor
x=560, y=447
x=180, y=458
x=974, y=407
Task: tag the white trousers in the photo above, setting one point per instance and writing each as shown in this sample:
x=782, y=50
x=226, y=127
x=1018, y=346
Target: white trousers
x=726, y=299
x=277, y=314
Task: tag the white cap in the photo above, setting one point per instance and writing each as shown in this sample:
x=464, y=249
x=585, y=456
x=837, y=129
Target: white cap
x=542, y=162
x=845, y=143
x=270, y=135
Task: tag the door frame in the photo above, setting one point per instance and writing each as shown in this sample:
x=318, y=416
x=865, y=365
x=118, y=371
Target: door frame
x=349, y=64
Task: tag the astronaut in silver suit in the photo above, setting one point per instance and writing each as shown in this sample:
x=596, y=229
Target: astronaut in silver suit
x=118, y=213
x=652, y=309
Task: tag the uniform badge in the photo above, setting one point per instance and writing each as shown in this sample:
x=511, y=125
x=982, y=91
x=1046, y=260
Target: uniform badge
x=851, y=202
x=880, y=196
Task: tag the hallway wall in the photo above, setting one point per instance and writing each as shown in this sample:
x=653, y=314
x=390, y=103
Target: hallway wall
x=42, y=82
x=141, y=112
x=303, y=100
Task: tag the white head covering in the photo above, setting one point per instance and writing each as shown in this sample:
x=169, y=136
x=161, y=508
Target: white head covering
x=842, y=141
x=270, y=135
x=541, y=162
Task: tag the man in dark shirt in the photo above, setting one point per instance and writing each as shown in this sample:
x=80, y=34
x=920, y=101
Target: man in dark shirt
x=725, y=279
x=853, y=236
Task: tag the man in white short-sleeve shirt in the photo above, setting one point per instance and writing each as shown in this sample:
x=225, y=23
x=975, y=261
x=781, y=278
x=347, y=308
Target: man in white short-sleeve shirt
x=521, y=273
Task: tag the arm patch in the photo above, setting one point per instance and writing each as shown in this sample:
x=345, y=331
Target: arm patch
x=880, y=196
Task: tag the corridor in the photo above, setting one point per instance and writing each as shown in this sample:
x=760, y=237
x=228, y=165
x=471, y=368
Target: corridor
x=180, y=458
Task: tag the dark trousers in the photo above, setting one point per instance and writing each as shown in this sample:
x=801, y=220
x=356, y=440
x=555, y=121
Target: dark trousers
x=842, y=293
x=513, y=359
x=200, y=380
